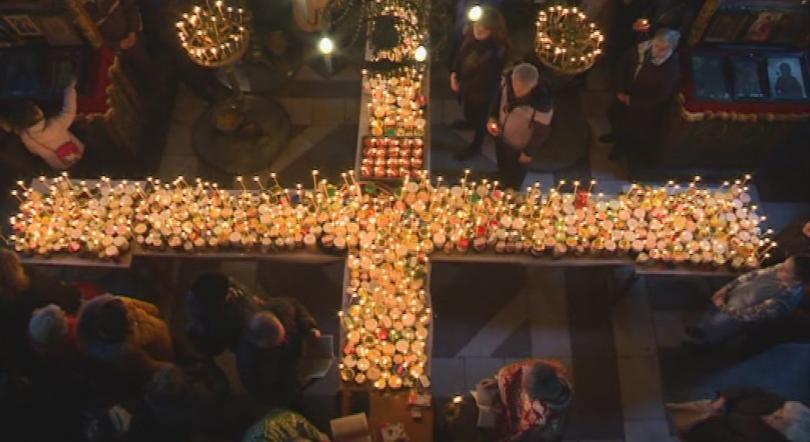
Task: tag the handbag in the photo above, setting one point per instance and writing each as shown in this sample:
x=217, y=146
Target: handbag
x=685, y=416
x=69, y=152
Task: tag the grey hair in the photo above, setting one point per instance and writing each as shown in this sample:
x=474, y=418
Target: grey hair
x=797, y=421
x=526, y=74
x=668, y=36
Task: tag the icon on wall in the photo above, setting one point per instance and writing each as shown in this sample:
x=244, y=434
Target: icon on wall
x=747, y=80
x=786, y=78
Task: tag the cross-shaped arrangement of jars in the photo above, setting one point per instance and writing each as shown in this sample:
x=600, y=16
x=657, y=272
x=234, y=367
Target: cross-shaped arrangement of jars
x=389, y=237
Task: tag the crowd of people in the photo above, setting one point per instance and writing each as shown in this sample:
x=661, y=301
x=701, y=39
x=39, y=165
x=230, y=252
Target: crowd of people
x=104, y=367
x=516, y=107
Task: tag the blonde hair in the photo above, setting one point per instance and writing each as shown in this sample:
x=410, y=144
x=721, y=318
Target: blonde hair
x=13, y=278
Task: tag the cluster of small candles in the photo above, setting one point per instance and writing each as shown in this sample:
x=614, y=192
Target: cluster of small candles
x=654, y=224
x=214, y=33
x=407, y=28
x=397, y=103
x=566, y=40
x=391, y=157
x=61, y=216
x=386, y=316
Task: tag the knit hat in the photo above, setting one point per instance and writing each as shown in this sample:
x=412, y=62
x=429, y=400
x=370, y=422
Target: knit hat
x=48, y=325
x=540, y=381
x=265, y=330
x=109, y=321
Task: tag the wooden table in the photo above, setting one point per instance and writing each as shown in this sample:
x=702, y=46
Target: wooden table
x=392, y=408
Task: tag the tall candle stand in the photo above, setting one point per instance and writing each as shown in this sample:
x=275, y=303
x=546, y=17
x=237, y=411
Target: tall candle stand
x=243, y=133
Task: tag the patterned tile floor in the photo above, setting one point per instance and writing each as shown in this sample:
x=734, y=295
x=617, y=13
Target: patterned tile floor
x=622, y=348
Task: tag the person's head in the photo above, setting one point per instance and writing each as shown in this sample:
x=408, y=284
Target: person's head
x=24, y=115
x=784, y=69
x=490, y=25
x=540, y=381
x=664, y=43
x=795, y=269
x=210, y=289
x=265, y=330
x=48, y=326
x=13, y=278
x=112, y=321
x=792, y=420
x=524, y=78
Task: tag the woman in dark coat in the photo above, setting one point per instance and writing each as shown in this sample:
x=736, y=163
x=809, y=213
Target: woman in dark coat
x=476, y=70
x=646, y=78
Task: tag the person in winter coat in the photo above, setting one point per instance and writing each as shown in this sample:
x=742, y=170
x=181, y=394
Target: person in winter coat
x=125, y=334
x=646, y=79
x=22, y=292
x=187, y=400
x=757, y=296
x=270, y=350
x=743, y=414
x=476, y=70
x=220, y=307
x=49, y=138
x=520, y=121
x=536, y=396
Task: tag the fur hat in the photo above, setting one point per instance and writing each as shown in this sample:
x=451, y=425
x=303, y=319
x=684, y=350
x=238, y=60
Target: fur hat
x=48, y=325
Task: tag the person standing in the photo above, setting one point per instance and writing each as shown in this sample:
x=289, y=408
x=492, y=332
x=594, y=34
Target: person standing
x=49, y=138
x=271, y=348
x=476, y=70
x=120, y=25
x=755, y=297
x=220, y=307
x=646, y=78
x=520, y=121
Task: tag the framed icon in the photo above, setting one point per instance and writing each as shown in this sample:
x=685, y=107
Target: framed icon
x=748, y=84
x=726, y=27
x=786, y=78
x=710, y=79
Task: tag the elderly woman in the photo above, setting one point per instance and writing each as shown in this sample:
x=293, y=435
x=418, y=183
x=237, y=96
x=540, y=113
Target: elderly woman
x=646, y=78
x=520, y=121
x=526, y=401
x=752, y=298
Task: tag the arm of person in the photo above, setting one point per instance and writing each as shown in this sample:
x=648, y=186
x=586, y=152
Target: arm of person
x=303, y=318
x=133, y=14
x=41, y=151
x=68, y=113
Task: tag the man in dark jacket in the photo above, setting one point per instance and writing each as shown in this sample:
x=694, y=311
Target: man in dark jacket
x=271, y=347
x=220, y=307
x=520, y=121
x=646, y=78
